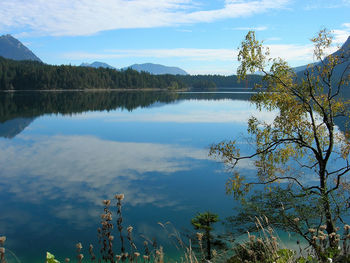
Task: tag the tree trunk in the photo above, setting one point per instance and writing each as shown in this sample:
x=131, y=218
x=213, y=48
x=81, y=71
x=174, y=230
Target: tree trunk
x=208, y=246
x=327, y=209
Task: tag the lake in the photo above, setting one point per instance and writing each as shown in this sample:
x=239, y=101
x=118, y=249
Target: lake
x=63, y=153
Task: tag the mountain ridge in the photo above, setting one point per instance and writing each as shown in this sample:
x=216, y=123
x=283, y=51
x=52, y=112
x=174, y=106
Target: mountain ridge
x=345, y=47
x=12, y=48
x=340, y=71
x=97, y=64
x=157, y=69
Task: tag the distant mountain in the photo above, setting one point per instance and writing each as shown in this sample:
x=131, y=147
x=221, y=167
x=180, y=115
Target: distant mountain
x=97, y=64
x=345, y=47
x=342, y=69
x=344, y=55
x=345, y=50
x=12, y=48
x=302, y=68
x=157, y=69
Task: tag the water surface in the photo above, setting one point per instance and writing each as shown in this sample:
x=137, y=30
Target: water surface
x=62, y=153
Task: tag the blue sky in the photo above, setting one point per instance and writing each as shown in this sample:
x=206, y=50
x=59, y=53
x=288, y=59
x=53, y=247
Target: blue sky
x=200, y=36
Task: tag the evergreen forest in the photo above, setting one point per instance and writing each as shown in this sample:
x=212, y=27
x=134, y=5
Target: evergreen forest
x=34, y=75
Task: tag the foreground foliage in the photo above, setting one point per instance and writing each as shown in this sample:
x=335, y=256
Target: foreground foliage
x=204, y=222
x=265, y=246
x=262, y=245
x=300, y=154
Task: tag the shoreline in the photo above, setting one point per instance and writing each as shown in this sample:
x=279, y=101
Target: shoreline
x=91, y=90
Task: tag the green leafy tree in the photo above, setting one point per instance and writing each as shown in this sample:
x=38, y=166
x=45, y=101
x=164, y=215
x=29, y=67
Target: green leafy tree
x=205, y=221
x=300, y=154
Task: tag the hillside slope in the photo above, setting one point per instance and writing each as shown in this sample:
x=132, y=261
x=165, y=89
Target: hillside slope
x=12, y=48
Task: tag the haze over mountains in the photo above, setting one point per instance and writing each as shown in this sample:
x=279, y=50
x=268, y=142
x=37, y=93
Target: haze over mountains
x=156, y=69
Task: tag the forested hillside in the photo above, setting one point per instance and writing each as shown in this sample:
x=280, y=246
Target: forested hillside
x=213, y=81
x=32, y=75
x=12, y=48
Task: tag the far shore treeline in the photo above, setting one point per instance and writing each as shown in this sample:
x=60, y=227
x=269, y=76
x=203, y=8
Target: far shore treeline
x=34, y=75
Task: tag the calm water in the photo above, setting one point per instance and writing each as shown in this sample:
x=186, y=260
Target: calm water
x=62, y=153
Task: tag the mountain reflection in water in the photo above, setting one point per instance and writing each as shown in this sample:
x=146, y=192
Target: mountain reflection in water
x=62, y=153
x=18, y=110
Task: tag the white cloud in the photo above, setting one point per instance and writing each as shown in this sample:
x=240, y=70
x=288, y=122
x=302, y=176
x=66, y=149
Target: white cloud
x=211, y=56
x=86, y=17
x=317, y=4
x=294, y=54
x=290, y=52
x=341, y=35
x=287, y=51
x=258, y=28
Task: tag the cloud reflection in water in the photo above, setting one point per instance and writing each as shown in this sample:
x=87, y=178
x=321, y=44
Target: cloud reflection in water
x=50, y=182
x=188, y=111
x=43, y=164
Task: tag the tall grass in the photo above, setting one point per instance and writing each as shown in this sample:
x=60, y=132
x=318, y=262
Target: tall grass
x=116, y=244
x=2, y=249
